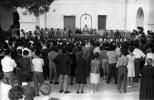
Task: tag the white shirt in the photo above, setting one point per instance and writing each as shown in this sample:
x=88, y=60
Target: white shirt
x=37, y=64
x=117, y=50
x=4, y=91
x=138, y=53
x=8, y=64
x=97, y=50
x=151, y=56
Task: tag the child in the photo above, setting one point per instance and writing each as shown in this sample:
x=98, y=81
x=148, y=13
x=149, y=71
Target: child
x=130, y=66
x=122, y=70
x=95, y=71
x=37, y=69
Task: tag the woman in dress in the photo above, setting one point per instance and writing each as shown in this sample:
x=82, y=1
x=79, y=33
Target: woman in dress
x=130, y=66
x=147, y=81
x=80, y=71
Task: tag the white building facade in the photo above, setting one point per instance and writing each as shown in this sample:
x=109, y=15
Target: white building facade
x=96, y=14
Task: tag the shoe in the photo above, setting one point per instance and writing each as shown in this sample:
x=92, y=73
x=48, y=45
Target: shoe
x=61, y=91
x=56, y=83
x=50, y=82
x=66, y=92
x=82, y=92
x=77, y=92
x=107, y=82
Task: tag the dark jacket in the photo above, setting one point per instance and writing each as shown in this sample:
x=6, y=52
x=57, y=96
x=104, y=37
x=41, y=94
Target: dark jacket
x=63, y=64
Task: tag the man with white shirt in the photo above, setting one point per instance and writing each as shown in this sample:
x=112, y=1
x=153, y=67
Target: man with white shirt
x=139, y=56
x=8, y=65
x=37, y=69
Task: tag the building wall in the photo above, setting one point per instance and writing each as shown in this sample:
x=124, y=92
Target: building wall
x=27, y=21
x=6, y=17
x=148, y=9
x=114, y=9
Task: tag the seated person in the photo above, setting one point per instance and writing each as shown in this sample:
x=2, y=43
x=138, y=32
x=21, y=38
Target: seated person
x=29, y=91
x=44, y=92
x=16, y=93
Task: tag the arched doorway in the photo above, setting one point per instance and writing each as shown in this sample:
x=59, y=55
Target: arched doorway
x=140, y=18
x=86, y=19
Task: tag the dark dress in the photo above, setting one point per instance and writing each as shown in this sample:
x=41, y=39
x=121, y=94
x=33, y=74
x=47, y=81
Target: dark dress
x=73, y=57
x=147, y=83
x=81, y=71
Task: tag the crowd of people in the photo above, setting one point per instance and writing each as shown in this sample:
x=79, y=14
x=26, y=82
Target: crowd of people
x=51, y=61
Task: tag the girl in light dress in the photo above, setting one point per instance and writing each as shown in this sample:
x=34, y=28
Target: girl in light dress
x=130, y=66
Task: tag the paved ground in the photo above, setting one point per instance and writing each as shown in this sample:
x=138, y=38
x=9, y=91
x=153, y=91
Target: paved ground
x=105, y=92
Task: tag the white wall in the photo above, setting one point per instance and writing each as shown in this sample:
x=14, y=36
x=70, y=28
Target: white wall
x=27, y=22
x=114, y=9
x=148, y=8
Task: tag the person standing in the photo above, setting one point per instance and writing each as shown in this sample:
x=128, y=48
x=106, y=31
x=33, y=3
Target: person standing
x=112, y=58
x=95, y=72
x=122, y=70
x=130, y=66
x=63, y=66
x=52, y=66
x=147, y=81
x=80, y=71
x=139, y=56
x=8, y=65
x=105, y=62
x=37, y=69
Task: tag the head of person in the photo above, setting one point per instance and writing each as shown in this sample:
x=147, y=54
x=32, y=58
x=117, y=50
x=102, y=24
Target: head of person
x=124, y=51
x=16, y=93
x=96, y=55
x=64, y=50
x=25, y=53
x=7, y=52
x=130, y=49
x=45, y=89
x=149, y=61
x=37, y=53
x=19, y=52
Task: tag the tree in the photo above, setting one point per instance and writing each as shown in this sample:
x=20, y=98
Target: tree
x=33, y=6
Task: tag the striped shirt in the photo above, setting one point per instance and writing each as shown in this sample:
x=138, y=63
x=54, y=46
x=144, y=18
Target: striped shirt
x=103, y=54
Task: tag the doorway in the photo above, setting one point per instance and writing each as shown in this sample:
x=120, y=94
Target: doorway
x=69, y=23
x=16, y=19
x=140, y=18
x=101, y=22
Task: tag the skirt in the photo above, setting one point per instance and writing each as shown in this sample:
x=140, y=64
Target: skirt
x=94, y=78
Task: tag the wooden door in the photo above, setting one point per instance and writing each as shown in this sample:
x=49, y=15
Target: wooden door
x=101, y=22
x=69, y=23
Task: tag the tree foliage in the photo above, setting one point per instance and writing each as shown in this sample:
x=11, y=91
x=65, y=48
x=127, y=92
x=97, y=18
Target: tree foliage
x=33, y=6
